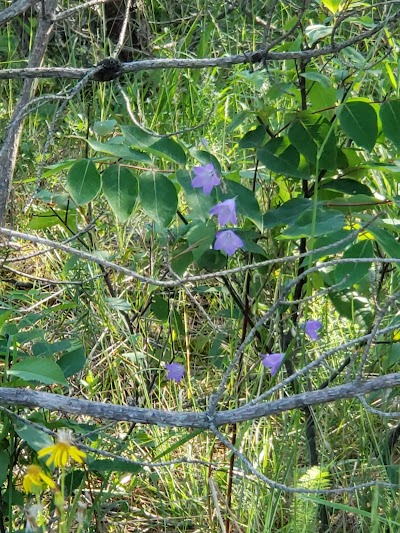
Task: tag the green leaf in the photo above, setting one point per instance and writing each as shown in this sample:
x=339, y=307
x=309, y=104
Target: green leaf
x=198, y=202
x=181, y=259
x=332, y=5
x=246, y=202
x=300, y=135
x=49, y=219
x=357, y=202
x=4, y=462
x=390, y=116
x=38, y=369
x=200, y=237
x=286, y=213
x=360, y=122
x=322, y=98
x=119, y=150
x=317, y=76
x=118, y=303
x=354, y=272
x=104, y=127
x=83, y=181
x=212, y=261
x=205, y=158
x=332, y=239
x=386, y=241
x=165, y=148
x=113, y=465
x=34, y=438
x=160, y=307
x=45, y=349
x=280, y=156
x=317, y=32
x=253, y=138
x=312, y=136
x=120, y=187
x=327, y=221
x=73, y=480
x=72, y=362
x=353, y=307
x=158, y=197
x=346, y=186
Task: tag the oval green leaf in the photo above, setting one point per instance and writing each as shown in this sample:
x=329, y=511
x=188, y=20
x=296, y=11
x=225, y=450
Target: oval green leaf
x=390, y=116
x=39, y=369
x=351, y=273
x=83, y=181
x=118, y=150
x=120, y=187
x=165, y=148
x=326, y=221
x=280, y=156
x=158, y=197
x=360, y=122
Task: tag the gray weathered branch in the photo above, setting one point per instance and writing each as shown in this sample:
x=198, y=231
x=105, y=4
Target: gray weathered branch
x=189, y=419
x=254, y=57
x=17, y=8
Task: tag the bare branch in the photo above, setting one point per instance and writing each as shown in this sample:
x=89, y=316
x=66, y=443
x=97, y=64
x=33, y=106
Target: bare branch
x=15, y=9
x=67, y=13
x=139, y=415
x=257, y=56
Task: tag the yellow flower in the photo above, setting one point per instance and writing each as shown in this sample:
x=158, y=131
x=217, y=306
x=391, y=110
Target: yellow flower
x=62, y=450
x=35, y=479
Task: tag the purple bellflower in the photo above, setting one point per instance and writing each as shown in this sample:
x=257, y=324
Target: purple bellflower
x=225, y=211
x=175, y=371
x=272, y=361
x=228, y=241
x=205, y=178
x=312, y=327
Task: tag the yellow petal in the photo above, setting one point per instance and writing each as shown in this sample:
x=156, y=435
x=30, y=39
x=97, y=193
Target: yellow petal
x=46, y=451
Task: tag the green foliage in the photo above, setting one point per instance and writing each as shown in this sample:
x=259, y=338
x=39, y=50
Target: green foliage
x=305, y=511
x=308, y=150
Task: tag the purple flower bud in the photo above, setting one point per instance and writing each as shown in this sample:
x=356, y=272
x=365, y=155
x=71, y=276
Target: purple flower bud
x=228, y=241
x=272, y=361
x=311, y=328
x=175, y=371
x=205, y=178
x=226, y=212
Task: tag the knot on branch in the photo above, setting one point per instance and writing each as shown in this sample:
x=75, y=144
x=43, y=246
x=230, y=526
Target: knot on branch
x=111, y=69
